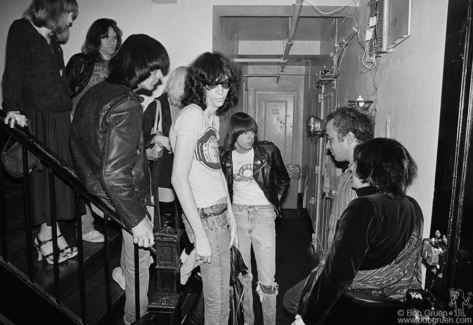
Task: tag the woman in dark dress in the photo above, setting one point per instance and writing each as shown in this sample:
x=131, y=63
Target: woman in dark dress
x=35, y=91
x=161, y=169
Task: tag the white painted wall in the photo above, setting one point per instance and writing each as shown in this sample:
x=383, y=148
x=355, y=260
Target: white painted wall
x=409, y=85
x=184, y=28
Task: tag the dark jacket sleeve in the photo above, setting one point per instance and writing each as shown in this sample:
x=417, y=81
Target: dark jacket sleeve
x=79, y=69
x=119, y=156
x=281, y=177
x=148, y=122
x=358, y=225
x=16, y=55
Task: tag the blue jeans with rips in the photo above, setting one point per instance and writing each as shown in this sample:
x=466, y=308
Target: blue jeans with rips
x=216, y=275
x=256, y=228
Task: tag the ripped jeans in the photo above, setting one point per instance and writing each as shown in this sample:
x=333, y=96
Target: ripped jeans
x=256, y=228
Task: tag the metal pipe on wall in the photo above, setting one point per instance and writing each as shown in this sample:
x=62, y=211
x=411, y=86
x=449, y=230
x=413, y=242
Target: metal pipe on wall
x=292, y=31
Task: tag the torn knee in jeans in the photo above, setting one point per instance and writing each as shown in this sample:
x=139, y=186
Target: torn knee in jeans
x=264, y=290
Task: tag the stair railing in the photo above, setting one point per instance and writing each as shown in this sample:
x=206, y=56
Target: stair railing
x=57, y=167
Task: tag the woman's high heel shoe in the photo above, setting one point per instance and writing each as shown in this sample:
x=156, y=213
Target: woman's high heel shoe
x=64, y=254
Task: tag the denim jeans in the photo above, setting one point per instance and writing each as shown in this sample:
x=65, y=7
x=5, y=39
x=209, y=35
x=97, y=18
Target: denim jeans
x=256, y=228
x=216, y=275
x=128, y=267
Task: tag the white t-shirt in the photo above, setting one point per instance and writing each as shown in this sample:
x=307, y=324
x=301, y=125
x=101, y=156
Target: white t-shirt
x=206, y=176
x=245, y=189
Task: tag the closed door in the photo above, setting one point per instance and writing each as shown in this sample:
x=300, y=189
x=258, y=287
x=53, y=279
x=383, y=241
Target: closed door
x=274, y=115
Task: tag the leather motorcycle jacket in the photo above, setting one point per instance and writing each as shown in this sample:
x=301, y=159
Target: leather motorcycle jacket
x=107, y=144
x=79, y=69
x=269, y=172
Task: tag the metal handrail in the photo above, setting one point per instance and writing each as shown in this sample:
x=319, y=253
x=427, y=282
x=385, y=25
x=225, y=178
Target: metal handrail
x=68, y=175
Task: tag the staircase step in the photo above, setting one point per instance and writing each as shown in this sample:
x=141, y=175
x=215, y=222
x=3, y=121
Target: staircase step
x=96, y=303
x=68, y=270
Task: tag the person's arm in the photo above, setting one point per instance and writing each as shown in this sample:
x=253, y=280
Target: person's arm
x=281, y=177
x=118, y=159
x=358, y=225
x=71, y=73
x=148, y=123
x=14, y=74
x=183, y=155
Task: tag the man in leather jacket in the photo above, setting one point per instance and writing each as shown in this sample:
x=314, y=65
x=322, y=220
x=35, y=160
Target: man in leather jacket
x=85, y=70
x=257, y=181
x=108, y=149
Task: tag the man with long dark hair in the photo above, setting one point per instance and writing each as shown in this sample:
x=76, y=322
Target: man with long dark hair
x=211, y=88
x=85, y=70
x=257, y=181
x=108, y=149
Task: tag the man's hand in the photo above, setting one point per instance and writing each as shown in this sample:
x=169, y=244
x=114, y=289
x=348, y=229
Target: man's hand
x=163, y=141
x=143, y=233
x=298, y=321
x=203, y=250
x=233, y=228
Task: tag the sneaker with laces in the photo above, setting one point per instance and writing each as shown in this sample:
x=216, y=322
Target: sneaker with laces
x=119, y=277
x=93, y=236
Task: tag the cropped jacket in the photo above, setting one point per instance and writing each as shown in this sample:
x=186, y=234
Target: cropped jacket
x=107, y=144
x=269, y=172
x=79, y=69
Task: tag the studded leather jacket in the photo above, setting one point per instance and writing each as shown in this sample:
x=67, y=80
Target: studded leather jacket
x=269, y=172
x=107, y=144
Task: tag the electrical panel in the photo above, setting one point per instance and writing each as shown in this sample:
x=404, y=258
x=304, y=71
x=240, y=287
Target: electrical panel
x=388, y=25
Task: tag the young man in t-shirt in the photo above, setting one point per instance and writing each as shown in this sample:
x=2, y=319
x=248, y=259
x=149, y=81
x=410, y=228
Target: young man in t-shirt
x=257, y=181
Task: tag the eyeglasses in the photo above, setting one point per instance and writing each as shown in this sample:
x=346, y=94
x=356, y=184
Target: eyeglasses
x=225, y=85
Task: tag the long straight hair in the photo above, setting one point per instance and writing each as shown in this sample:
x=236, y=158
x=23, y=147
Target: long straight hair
x=97, y=31
x=238, y=124
x=51, y=14
x=174, y=86
x=136, y=59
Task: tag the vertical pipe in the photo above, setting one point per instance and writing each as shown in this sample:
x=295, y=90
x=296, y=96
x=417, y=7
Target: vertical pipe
x=292, y=30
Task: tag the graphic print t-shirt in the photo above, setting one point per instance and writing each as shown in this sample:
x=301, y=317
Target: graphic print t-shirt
x=99, y=74
x=205, y=176
x=245, y=189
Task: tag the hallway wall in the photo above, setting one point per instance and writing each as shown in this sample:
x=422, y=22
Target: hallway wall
x=406, y=88
x=184, y=28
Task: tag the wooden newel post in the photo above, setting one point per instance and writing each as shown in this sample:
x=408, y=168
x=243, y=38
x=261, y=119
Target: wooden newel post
x=165, y=302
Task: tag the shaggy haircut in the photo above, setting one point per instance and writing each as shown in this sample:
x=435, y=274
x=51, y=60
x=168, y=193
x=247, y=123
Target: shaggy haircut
x=52, y=14
x=98, y=31
x=174, y=86
x=208, y=69
x=137, y=58
x=238, y=124
x=386, y=165
x=348, y=119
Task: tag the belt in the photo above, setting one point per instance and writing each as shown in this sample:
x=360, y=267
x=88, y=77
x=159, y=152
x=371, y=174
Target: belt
x=214, y=210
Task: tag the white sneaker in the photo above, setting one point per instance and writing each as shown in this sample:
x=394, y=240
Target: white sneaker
x=119, y=277
x=93, y=236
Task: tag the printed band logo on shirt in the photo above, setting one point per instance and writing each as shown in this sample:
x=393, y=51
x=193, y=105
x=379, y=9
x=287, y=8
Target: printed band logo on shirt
x=207, y=152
